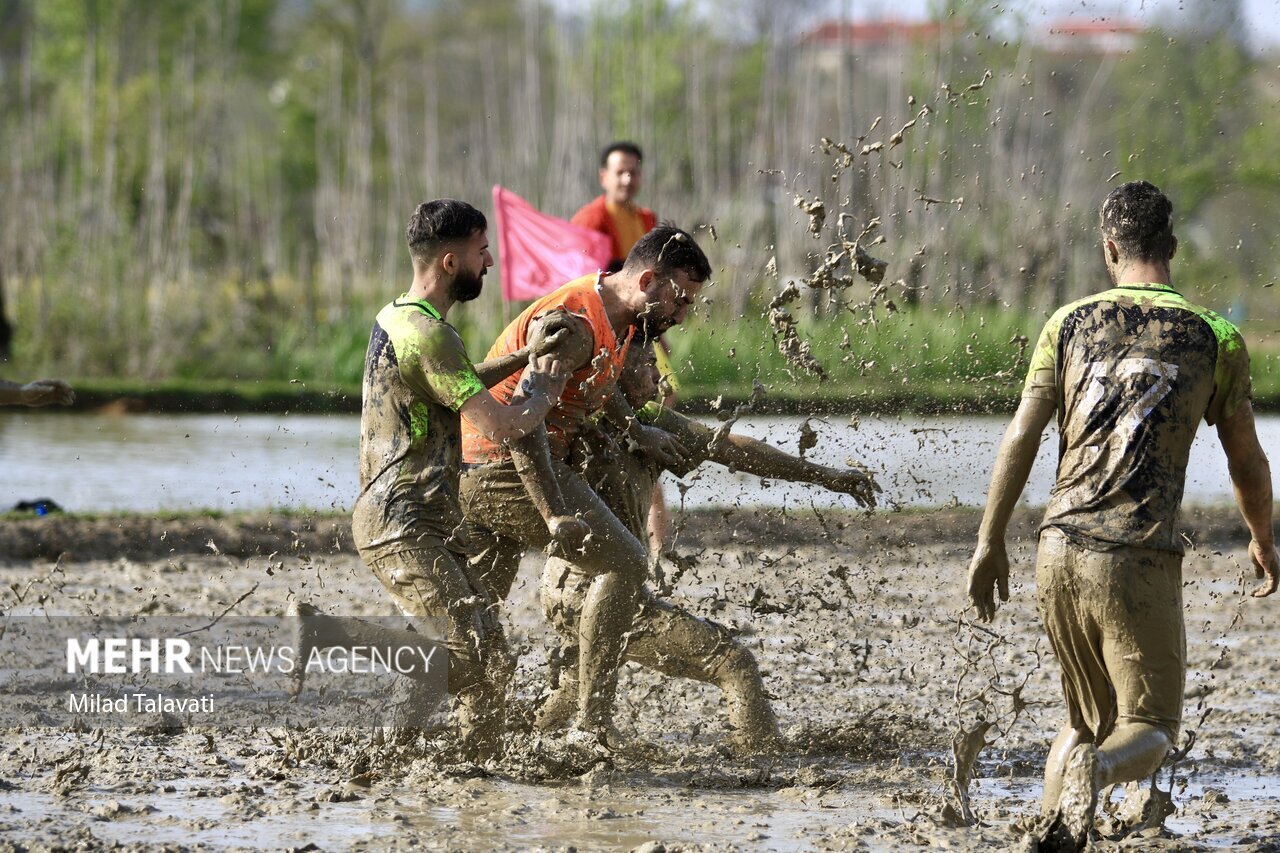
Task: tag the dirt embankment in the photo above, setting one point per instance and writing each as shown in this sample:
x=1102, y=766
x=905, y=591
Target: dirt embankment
x=147, y=537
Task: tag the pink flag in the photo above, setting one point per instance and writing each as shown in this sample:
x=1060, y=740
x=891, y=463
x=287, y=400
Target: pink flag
x=538, y=253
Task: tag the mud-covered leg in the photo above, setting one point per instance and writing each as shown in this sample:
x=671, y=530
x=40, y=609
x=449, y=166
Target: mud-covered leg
x=1068, y=739
x=750, y=713
x=432, y=584
x=562, y=589
x=675, y=642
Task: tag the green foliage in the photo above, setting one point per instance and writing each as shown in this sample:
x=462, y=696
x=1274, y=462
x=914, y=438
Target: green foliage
x=204, y=189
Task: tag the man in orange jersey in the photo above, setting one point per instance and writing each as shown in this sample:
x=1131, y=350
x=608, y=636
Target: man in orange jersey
x=652, y=292
x=614, y=213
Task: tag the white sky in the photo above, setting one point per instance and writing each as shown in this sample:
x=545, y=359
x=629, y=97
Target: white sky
x=1262, y=17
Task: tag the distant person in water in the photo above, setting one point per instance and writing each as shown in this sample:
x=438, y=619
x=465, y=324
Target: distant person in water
x=1130, y=372
x=41, y=392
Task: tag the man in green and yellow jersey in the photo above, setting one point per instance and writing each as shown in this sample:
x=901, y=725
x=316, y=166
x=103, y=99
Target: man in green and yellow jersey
x=407, y=523
x=1130, y=372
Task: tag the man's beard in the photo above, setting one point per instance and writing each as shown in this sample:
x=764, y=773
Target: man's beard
x=651, y=327
x=466, y=286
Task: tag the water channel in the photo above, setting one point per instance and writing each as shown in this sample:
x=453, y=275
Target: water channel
x=165, y=462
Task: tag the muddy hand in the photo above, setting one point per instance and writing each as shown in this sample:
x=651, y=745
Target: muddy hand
x=549, y=332
x=857, y=482
x=545, y=373
x=45, y=392
x=569, y=532
x=988, y=570
x=1266, y=565
x=661, y=446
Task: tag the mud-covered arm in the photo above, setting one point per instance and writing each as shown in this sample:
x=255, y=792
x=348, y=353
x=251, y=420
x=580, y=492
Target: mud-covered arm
x=655, y=443
x=42, y=392
x=531, y=457
x=1251, y=480
x=539, y=390
x=989, y=568
x=495, y=370
x=747, y=454
x=545, y=338
x=742, y=453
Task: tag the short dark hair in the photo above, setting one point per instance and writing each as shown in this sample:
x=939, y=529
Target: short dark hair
x=437, y=224
x=667, y=250
x=1139, y=219
x=621, y=145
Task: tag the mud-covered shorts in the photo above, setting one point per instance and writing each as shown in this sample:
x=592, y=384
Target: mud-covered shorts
x=1114, y=620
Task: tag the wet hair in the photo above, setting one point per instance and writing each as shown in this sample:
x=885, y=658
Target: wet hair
x=667, y=250
x=1139, y=219
x=623, y=146
x=441, y=223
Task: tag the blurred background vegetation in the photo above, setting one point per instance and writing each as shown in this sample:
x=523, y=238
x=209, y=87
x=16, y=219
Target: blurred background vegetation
x=199, y=191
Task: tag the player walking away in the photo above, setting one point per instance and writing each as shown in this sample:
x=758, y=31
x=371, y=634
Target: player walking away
x=665, y=637
x=41, y=392
x=1130, y=372
x=417, y=380
x=598, y=314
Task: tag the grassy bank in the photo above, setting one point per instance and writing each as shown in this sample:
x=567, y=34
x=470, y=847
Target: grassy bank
x=924, y=362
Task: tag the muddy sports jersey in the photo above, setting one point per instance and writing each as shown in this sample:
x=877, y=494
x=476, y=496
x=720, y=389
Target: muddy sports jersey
x=625, y=482
x=588, y=389
x=417, y=376
x=1132, y=370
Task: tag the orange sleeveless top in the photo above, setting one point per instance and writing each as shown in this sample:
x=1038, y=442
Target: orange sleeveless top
x=588, y=389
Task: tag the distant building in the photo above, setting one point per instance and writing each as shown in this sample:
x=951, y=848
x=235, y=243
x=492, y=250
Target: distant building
x=881, y=45
x=1089, y=37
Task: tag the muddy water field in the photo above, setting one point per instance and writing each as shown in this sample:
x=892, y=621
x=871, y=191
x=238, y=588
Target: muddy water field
x=856, y=620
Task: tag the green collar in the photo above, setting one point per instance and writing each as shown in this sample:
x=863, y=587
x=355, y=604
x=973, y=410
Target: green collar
x=403, y=301
x=1162, y=288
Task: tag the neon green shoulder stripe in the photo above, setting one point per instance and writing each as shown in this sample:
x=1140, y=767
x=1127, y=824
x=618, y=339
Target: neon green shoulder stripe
x=1046, y=353
x=395, y=320
x=1224, y=330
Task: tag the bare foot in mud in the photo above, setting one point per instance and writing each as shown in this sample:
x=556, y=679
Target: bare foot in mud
x=1071, y=827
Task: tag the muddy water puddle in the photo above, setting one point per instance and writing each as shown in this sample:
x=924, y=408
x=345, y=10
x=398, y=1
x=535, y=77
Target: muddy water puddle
x=147, y=463
x=1216, y=809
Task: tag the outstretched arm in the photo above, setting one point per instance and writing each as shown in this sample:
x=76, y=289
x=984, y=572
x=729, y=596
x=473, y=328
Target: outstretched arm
x=742, y=453
x=764, y=460
x=42, y=392
x=1251, y=479
x=540, y=388
x=989, y=567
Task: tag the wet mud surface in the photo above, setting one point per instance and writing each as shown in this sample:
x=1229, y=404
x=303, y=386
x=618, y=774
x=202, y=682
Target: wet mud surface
x=856, y=622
